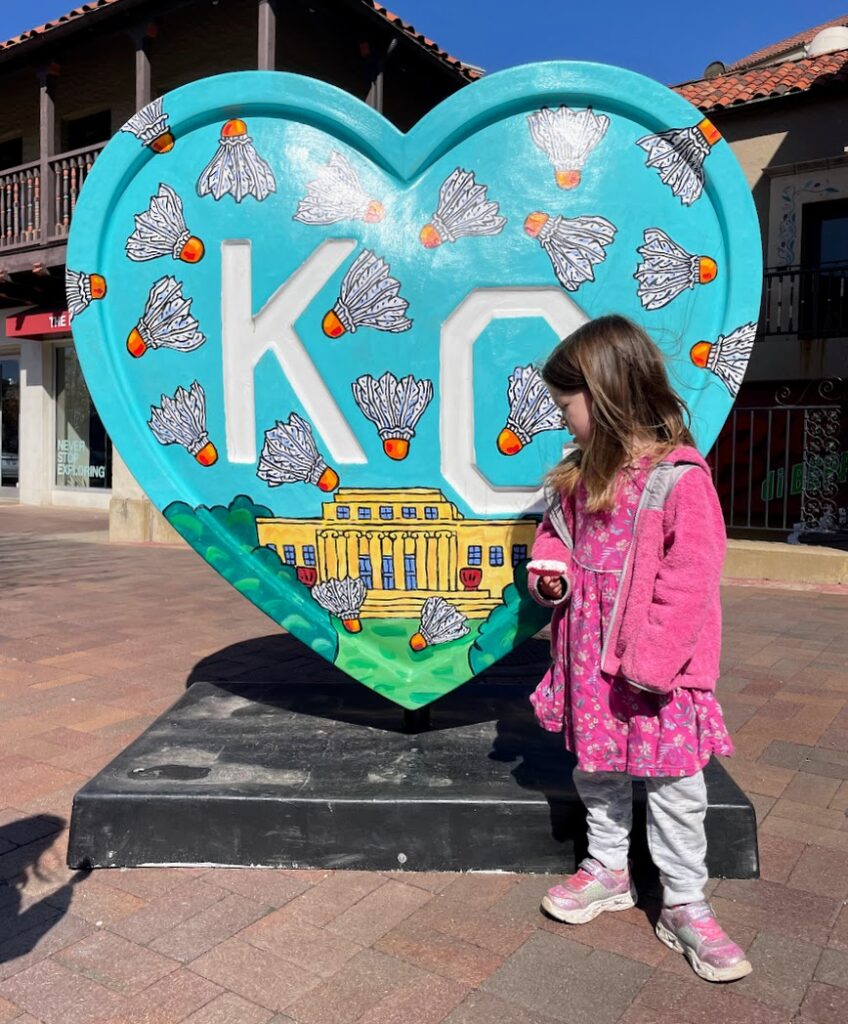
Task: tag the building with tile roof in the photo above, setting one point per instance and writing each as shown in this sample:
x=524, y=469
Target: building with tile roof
x=782, y=457
x=65, y=88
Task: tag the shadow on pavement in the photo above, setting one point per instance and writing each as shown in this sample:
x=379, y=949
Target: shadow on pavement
x=22, y=925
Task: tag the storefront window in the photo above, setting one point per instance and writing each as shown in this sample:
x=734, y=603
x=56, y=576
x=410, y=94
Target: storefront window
x=10, y=404
x=83, y=450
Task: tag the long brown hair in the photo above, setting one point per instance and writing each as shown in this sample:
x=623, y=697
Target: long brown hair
x=634, y=408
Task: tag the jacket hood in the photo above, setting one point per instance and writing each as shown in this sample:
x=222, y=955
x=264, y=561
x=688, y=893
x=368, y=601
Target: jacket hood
x=688, y=455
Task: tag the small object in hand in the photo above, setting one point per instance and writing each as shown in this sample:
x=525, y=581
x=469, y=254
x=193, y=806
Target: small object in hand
x=551, y=587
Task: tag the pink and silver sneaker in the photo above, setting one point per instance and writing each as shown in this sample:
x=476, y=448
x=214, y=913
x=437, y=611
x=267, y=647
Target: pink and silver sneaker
x=590, y=891
x=692, y=930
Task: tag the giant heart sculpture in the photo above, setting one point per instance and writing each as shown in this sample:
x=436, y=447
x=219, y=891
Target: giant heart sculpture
x=314, y=339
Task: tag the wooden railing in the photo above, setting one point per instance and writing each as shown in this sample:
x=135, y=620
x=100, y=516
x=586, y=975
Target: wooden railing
x=808, y=302
x=24, y=205
x=68, y=172
x=20, y=206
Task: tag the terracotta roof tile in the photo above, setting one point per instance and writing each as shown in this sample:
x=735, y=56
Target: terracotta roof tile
x=466, y=71
x=40, y=30
x=745, y=86
x=786, y=45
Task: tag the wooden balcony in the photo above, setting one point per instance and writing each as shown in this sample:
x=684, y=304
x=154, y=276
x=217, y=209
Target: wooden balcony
x=37, y=199
x=805, y=302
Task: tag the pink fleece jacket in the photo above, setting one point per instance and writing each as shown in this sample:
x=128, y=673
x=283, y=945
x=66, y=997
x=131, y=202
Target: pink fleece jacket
x=665, y=630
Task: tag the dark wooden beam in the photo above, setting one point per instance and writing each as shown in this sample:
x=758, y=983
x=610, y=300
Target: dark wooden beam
x=142, y=37
x=20, y=262
x=47, y=76
x=267, y=39
x=376, y=92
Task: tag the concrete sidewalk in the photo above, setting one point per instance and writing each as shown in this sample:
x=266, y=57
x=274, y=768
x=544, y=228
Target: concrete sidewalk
x=98, y=639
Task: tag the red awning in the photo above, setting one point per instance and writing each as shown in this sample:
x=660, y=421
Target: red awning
x=38, y=324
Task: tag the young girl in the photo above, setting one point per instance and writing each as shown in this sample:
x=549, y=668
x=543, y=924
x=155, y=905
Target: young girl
x=629, y=555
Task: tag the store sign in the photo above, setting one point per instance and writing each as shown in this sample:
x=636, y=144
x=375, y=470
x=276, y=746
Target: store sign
x=40, y=324
x=315, y=340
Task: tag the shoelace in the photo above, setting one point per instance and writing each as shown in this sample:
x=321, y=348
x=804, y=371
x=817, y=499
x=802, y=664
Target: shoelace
x=709, y=928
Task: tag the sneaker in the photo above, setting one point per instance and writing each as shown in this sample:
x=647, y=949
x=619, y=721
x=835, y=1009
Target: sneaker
x=692, y=930
x=590, y=891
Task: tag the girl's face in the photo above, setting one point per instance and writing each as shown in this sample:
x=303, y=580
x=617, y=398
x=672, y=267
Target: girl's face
x=576, y=408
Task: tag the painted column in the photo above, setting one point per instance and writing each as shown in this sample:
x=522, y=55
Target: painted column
x=352, y=550
x=332, y=552
x=432, y=566
x=375, y=550
x=397, y=558
x=421, y=561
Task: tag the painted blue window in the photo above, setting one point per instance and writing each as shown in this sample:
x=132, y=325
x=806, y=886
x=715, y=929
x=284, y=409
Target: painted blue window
x=308, y=554
x=343, y=512
x=475, y=554
x=408, y=512
x=273, y=547
x=519, y=553
x=366, y=573
x=363, y=513
x=385, y=511
x=431, y=512
x=410, y=572
x=388, y=572
x=496, y=555
x=289, y=556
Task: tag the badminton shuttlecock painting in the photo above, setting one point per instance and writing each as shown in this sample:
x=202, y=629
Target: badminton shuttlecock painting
x=342, y=598
x=368, y=298
x=150, y=127
x=394, y=406
x=575, y=246
x=668, y=269
x=464, y=210
x=531, y=410
x=290, y=455
x=366, y=321
x=81, y=290
x=337, y=194
x=182, y=420
x=727, y=357
x=167, y=321
x=236, y=169
x=678, y=157
x=567, y=137
x=440, y=623
x=161, y=231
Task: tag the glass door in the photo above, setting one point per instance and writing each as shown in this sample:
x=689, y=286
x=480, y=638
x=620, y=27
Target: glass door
x=10, y=405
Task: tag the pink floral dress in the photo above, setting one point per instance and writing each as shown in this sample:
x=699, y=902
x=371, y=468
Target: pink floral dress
x=610, y=726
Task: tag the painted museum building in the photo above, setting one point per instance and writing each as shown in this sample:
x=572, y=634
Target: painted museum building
x=406, y=545
x=66, y=88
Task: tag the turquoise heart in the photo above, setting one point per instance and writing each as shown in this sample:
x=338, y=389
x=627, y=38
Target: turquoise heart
x=313, y=339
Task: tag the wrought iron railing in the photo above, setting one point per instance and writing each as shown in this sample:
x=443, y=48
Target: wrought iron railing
x=808, y=302
x=31, y=215
x=781, y=465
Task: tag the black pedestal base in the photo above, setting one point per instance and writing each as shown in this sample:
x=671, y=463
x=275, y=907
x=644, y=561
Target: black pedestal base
x=299, y=775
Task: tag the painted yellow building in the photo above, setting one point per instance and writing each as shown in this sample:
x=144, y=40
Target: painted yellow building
x=407, y=545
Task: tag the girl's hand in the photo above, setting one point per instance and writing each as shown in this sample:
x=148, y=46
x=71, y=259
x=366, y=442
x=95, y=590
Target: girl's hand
x=551, y=588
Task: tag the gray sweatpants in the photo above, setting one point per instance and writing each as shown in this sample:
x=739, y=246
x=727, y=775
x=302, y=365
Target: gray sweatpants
x=675, y=820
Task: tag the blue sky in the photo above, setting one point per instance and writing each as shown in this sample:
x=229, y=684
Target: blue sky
x=670, y=41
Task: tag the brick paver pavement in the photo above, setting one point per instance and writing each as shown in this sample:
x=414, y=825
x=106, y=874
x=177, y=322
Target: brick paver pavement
x=96, y=640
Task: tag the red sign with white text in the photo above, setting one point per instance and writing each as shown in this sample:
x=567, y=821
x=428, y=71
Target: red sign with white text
x=38, y=324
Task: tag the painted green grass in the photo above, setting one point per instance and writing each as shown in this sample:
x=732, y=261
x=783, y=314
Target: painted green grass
x=381, y=652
